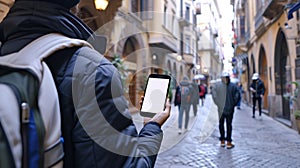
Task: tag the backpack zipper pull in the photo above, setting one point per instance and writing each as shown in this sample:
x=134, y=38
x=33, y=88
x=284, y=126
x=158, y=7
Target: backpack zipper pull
x=25, y=113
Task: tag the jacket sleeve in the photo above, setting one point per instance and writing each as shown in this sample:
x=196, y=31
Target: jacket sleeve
x=263, y=88
x=237, y=95
x=214, y=94
x=111, y=138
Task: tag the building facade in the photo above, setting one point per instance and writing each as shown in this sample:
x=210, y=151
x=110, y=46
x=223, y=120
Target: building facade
x=209, y=44
x=267, y=43
x=178, y=37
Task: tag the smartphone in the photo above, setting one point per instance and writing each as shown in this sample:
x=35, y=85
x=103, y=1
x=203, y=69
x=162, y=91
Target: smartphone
x=155, y=94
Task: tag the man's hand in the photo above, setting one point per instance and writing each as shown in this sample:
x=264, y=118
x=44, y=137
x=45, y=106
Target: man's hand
x=160, y=117
x=252, y=90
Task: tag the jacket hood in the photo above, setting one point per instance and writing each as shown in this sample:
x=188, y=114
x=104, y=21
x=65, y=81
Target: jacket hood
x=184, y=83
x=28, y=20
x=65, y=3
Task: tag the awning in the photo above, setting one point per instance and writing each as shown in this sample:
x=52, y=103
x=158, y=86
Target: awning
x=293, y=9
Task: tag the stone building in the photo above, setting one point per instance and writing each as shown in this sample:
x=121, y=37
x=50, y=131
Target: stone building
x=268, y=43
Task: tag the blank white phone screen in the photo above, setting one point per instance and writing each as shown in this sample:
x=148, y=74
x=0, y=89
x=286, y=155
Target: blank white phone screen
x=155, y=95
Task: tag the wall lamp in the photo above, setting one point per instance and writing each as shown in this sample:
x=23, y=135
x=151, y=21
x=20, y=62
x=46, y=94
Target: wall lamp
x=286, y=26
x=101, y=4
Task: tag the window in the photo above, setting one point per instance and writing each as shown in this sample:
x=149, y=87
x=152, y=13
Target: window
x=187, y=44
x=242, y=27
x=173, y=22
x=147, y=9
x=187, y=13
x=165, y=15
x=135, y=6
x=198, y=8
x=259, y=4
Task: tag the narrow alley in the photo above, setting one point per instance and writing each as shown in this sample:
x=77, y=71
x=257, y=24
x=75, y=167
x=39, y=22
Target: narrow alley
x=259, y=142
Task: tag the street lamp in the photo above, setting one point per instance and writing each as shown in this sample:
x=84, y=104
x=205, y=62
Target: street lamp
x=179, y=57
x=101, y=4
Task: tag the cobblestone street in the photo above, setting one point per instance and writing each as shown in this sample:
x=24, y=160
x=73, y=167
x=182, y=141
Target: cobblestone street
x=259, y=142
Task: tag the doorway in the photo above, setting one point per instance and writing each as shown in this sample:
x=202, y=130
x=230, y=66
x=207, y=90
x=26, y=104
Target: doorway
x=281, y=57
x=263, y=71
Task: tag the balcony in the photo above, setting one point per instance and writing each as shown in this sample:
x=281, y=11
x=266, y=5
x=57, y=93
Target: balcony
x=189, y=59
x=183, y=22
x=206, y=46
x=243, y=40
x=131, y=18
x=259, y=23
x=273, y=8
x=165, y=42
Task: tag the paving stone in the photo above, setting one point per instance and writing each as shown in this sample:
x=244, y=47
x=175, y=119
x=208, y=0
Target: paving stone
x=258, y=142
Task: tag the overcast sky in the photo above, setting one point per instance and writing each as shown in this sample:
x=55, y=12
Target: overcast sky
x=227, y=16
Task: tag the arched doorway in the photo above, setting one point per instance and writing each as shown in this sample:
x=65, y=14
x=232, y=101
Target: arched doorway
x=130, y=58
x=281, y=57
x=263, y=71
x=253, y=64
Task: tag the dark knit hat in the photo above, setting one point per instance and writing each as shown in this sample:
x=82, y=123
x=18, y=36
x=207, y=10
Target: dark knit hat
x=65, y=3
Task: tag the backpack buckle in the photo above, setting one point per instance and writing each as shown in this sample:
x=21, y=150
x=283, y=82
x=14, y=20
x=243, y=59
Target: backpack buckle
x=25, y=112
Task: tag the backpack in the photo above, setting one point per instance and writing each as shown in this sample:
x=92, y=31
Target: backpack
x=185, y=94
x=30, y=127
x=202, y=90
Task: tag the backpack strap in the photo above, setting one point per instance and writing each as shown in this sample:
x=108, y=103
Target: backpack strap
x=33, y=53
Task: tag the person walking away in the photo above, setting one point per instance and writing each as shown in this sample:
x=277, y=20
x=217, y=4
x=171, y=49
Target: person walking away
x=202, y=93
x=185, y=93
x=226, y=96
x=257, y=88
x=97, y=128
x=240, y=87
x=195, y=97
x=177, y=99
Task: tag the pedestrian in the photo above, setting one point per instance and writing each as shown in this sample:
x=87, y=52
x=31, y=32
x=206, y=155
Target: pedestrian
x=257, y=88
x=226, y=96
x=240, y=87
x=115, y=141
x=195, y=96
x=177, y=99
x=185, y=99
x=202, y=93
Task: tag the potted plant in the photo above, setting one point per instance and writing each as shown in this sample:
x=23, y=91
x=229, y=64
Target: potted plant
x=297, y=119
x=292, y=96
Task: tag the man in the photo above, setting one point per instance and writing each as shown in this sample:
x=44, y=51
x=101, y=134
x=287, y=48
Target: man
x=202, y=93
x=97, y=128
x=185, y=103
x=240, y=87
x=226, y=96
x=195, y=96
x=257, y=88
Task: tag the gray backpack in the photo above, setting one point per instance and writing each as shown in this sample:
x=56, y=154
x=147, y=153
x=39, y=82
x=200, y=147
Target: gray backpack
x=30, y=123
x=185, y=94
